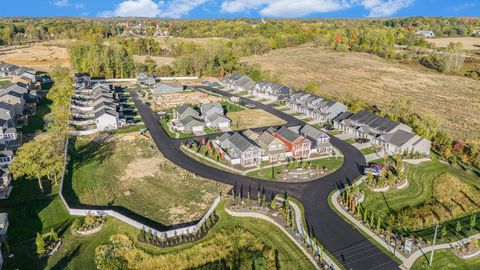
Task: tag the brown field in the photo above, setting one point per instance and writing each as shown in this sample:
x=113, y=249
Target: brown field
x=40, y=56
x=159, y=60
x=202, y=42
x=469, y=43
x=453, y=101
x=253, y=118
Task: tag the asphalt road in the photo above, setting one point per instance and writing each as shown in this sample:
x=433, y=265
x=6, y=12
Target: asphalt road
x=340, y=238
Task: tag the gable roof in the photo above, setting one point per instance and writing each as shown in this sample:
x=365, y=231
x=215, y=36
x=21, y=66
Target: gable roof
x=105, y=111
x=184, y=108
x=216, y=117
x=288, y=134
x=312, y=132
x=252, y=135
x=240, y=142
x=266, y=138
x=399, y=137
x=190, y=121
x=342, y=116
x=205, y=107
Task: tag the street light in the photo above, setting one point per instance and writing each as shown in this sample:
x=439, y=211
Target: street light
x=433, y=246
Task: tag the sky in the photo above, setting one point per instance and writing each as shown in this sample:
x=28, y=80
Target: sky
x=200, y=9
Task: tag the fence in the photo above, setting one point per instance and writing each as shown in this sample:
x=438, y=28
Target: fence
x=130, y=221
x=134, y=79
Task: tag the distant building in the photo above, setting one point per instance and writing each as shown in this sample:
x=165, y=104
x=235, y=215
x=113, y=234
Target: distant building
x=167, y=88
x=144, y=79
x=425, y=33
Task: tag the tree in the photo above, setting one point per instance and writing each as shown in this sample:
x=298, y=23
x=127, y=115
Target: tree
x=273, y=204
x=372, y=219
x=40, y=244
x=444, y=231
x=379, y=223
x=473, y=221
x=458, y=227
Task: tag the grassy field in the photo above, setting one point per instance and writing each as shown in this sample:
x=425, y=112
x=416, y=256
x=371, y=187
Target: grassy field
x=331, y=164
x=367, y=151
x=159, y=60
x=469, y=43
x=419, y=191
x=253, y=118
x=368, y=77
x=128, y=171
x=445, y=260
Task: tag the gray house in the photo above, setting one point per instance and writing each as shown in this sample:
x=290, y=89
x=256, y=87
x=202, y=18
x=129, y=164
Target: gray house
x=272, y=147
x=271, y=91
x=184, y=111
x=190, y=124
x=7, y=113
x=217, y=121
x=211, y=108
x=106, y=119
x=401, y=141
x=320, y=141
x=243, y=83
x=167, y=88
x=315, y=107
x=240, y=148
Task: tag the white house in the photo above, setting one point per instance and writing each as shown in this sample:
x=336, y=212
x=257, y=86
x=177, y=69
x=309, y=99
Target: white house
x=106, y=120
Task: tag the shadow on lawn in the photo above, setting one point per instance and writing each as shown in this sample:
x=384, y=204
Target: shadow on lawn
x=99, y=153
x=24, y=207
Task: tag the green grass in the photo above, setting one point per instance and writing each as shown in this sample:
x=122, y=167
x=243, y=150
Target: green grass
x=271, y=173
x=31, y=212
x=420, y=190
x=230, y=107
x=160, y=191
x=128, y=129
x=445, y=259
x=37, y=122
x=367, y=151
x=382, y=248
x=242, y=93
x=4, y=82
x=350, y=141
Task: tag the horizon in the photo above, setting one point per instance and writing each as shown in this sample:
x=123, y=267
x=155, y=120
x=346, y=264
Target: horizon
x=241, y=9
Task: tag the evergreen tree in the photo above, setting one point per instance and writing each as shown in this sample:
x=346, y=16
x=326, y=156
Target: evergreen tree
x=444, y=231
x=473, y=221
x=458, y=227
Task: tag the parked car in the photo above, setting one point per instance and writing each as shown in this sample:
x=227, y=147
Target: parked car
x=250, y=105
x=362, y=140
x=329, y=127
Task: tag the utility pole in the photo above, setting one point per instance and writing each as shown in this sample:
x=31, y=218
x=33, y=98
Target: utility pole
x=433, y=246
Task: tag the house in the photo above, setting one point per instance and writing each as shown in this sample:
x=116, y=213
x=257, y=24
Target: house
x=250, y=134
x=402, y=141
x=14, y=98
x=7, y=113
x=315, y=107
x=188, y=124
x=320, y=141
x=243, y=83
x=183, y=111
x=217, y=121
x=239, y=147
x=5, y=179
x=228, y=80
x=211, y=108
x=82, y=80
x=106, y=119
x=391, y=135
x=270, y=91
x=143, y=78
x=272, y=147
x=167, y=88
x=6, y=155
x=425, y=33
x=296, y=145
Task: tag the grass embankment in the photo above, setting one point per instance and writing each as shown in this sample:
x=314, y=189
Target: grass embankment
x=445, y=259
x=129, y=172
x=271, y=173
x=421, y=194
x=288, y=255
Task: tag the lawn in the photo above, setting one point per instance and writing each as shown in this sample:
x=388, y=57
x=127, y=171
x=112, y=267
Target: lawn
x=367, y=151
x=419, y=191
x=331, y=164
x=129, y=172
x=4, y=82
x=253, y=118
x=350, y=140
x=445, y=259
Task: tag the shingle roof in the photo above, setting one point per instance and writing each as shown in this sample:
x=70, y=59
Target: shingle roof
x=266, y=138
x=217, y=118
x=204, y=108
x=398, y=138
x=342, y=116
x=105, y=111
x=312, y=132
x=252, y=135
x=185, y=108
x=240, y=142
x=191, y=121
x=6, y=106
x=288, y=134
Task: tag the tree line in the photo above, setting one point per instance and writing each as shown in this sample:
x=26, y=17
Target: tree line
x=43, y=157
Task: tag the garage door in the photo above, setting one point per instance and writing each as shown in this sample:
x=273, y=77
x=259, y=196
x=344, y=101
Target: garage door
x=197, y=128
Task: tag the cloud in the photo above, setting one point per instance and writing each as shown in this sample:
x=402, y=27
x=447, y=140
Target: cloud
x=79, y=6
x=150, y=8
x=298, y=8
x=61, y=3
x=385, y=8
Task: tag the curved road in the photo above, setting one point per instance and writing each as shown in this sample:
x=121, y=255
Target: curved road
x=340, y=238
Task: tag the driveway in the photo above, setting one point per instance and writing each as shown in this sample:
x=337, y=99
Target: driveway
x=340, y=238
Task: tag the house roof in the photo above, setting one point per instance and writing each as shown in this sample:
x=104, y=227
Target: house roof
x=184, y=108
x=216, y=118
x=240, y=142
x=163, y=88
x=266, y=138
x=252, y=135
x=312, y=132
x=6, y=106
x=376, y=122
x=245, y=82
x=105, y=111
x=399, y=137
x=342, y=116
x=191, y=121
x=205, y=107
x=288, y=134
x=224, y=137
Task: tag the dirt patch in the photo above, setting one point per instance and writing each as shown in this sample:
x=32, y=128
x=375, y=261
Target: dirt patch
x=378, y=81
x=40, y=56
x=469, y=43
x=253, y=118
x=140, y=168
